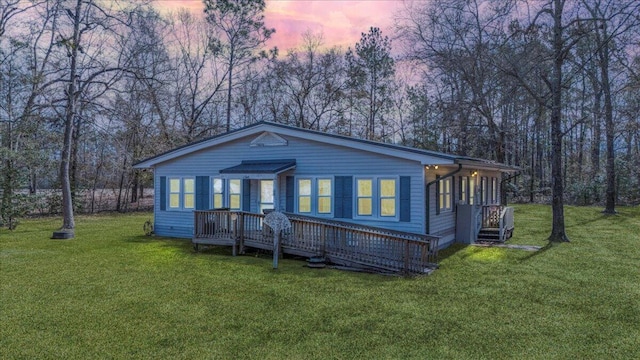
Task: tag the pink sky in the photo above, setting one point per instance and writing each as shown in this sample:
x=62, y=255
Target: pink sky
x=340, y=21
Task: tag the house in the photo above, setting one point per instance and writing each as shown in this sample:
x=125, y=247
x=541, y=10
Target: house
x=327, y=176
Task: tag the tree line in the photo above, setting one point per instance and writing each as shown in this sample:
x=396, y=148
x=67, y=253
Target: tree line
x=88, y=88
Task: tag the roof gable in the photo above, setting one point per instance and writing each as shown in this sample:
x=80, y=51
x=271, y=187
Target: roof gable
x=273, y=134
x=268, y=138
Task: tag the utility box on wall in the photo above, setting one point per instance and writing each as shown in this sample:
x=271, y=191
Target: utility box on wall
x=465, y=223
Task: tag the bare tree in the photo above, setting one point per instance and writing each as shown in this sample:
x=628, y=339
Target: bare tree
x=610, y=21
x=239, y=33
x=91, y=29
x=198, y=78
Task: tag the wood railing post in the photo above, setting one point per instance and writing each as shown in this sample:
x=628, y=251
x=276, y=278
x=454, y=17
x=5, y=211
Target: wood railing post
x=323, y=240
x=241, y=220
x=406, y=255
x=195, y=224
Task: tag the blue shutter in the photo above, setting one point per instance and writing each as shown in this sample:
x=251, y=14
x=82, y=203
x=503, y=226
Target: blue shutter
x=405, y=198
x=163, y=193
x=343, y=202
x=202, y=192
x=338, y=195
x=290, y=190
x=246, y=195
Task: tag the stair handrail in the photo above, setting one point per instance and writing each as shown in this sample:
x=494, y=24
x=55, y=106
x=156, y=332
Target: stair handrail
x=501, y=225
x=506, y=221
x=479, y=222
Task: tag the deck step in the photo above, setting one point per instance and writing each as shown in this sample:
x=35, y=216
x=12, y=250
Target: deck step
x=489, y=235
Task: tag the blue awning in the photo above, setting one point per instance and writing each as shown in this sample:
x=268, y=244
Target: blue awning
x=261, y=167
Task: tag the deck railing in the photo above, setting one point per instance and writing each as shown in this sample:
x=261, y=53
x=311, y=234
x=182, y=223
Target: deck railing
x=339, y=242
x=498, y=217
x=491, y=216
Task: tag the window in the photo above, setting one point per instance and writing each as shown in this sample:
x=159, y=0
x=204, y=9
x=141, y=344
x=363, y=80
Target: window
x=189, y=196
x=463, y=188
x=472, y=190
x=174, y=193
x=304, y=196
x=483, y=190
x=235, y=194
x=218, y=193
x=315, y=196
x=324, y=196
x=182, y=193
x=494, y=190
x=445, y=194
x=365, y=197
x=387, y=192
x=377, y=197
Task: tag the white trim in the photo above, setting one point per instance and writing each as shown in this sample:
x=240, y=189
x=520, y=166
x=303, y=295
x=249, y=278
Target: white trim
x=276, y=140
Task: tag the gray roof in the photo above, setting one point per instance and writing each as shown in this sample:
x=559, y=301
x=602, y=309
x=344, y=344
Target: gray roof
x=260, y=167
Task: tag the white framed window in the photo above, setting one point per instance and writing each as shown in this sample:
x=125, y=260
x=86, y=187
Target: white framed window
x=444, y=201
x=304, y=196
x=235, y=194
x=364, y=197
x=484, y=193
x=182, y=193
x=174, y=193
x=217, y=191
x=325, y=191
x=463, y=188
x=494, y=190
x=314, y=196
x=472, y=190
x=377, y=197
x=387, y=192
x=189, y=194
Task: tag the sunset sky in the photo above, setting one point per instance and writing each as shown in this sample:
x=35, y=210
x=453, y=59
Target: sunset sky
x=340, y=21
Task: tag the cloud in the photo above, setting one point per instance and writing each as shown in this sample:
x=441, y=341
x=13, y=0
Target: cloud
x=341, y=21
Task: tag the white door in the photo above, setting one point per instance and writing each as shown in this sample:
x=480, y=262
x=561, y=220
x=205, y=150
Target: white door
x=266, y=195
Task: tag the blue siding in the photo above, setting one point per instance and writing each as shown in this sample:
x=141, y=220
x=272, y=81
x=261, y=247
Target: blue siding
x=290, y=193
x=444, y=224
x=405, y=199
x=312, y=158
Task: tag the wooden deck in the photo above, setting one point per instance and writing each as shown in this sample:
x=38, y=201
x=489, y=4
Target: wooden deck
x=338, y=242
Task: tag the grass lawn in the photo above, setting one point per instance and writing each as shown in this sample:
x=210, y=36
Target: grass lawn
x=113, y=293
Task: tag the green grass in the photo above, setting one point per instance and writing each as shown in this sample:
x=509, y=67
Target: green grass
x=113, y=293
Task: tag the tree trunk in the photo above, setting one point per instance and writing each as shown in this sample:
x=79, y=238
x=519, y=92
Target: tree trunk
x=610, y=201
x=229, y=85
x=68, y=222
x=558, y=233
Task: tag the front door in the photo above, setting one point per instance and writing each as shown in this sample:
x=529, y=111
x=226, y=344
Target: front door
x=266, y=195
